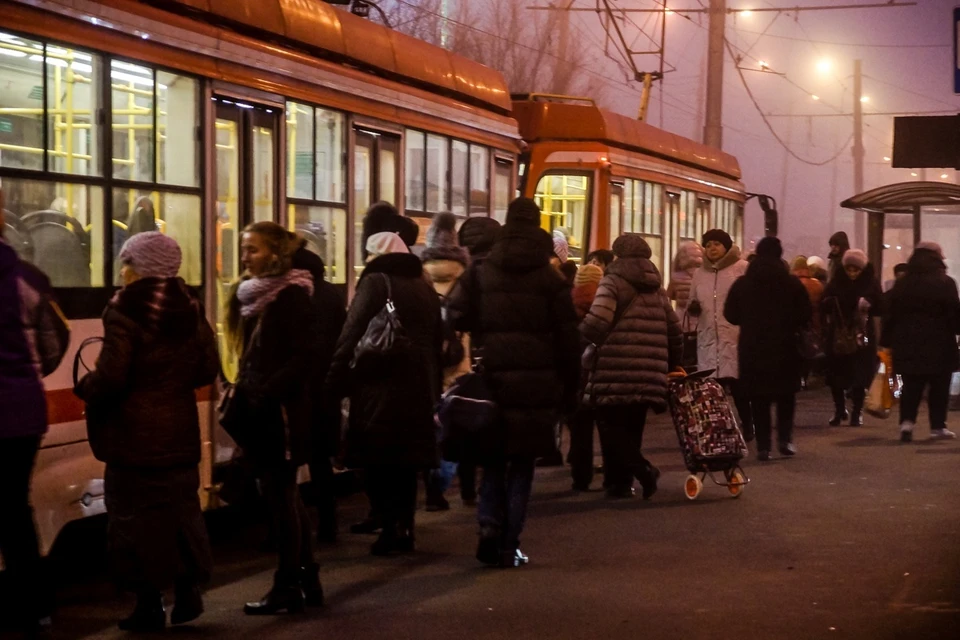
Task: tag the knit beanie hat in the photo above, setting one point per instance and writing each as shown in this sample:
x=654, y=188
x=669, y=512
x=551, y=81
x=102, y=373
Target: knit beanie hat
x=718, y=235
x=770, y=247
x=152, y=255
x=441, y=242
x=855, y=257
x=817, y=261
x=478, y=235
x=929, y=245
x=561, y=248
x=383, y=216
x=631, y=245
x=523, y=211
x=588, y=274
x=385, y=242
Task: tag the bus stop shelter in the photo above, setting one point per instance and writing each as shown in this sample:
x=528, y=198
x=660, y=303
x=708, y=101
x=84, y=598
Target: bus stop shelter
x=901, y=215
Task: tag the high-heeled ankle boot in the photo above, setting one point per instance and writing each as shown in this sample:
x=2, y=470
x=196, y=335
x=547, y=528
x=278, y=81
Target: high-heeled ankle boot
x=286, y=595
x=310, y=584
x=148, y=615
x=188, y=605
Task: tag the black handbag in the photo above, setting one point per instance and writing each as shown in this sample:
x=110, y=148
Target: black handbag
x=468, y=419
x=96, y=416
x=235, y=409
x=688, y=360
x=385, y=338
x=847, y=337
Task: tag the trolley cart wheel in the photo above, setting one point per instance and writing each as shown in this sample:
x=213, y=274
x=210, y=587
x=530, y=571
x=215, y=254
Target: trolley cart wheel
x=692, y=487
x=736, y=481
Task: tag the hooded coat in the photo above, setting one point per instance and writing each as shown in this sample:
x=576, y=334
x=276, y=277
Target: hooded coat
x=639, y=336
x=519, y=312
x=840, y=240
x=717, y=338
x=922, y=318
x=841, y=304
x=770, y=306
x=158, y=349
x=391, y=410
x=689, y=259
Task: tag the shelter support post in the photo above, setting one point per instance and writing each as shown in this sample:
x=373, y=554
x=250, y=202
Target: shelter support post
x=875, y=239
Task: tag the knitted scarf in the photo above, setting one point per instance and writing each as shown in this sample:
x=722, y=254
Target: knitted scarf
x=256, y=294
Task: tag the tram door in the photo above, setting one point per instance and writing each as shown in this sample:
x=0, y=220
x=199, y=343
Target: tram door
x=247, y=186
x=376, y=177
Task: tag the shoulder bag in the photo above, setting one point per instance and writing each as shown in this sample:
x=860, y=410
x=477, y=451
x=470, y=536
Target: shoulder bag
x=385, y=338
x=847, y=337
x=234, y=408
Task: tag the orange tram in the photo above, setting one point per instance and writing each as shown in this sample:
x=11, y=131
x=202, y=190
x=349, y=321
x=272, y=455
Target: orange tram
x=198, y=117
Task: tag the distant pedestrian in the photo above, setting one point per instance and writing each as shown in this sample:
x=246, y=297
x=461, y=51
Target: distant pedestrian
x=717, y=338
x=272, y=325
x=600, y=257
x=770, y=306
x=839, y=245
x=638, y=342
x=899, y=271
x=519, y=311
x=920, y=326
x=391, y=433
x=561, y=249
x=818, y=269
x=689, y=258
x=580, y=456
x=143, y=423
x=33, y=339
x=814, y=289
x=850, y=312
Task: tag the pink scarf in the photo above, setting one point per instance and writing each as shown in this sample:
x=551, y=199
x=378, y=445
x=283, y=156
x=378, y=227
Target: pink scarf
x=256, y=294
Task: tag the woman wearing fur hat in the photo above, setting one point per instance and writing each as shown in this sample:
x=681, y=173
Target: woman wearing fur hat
x=142, y=416
x=850, y=314
x=716, y=337
x=272, y=325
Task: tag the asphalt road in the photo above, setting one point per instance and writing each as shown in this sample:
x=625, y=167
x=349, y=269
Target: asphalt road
x=856, y=537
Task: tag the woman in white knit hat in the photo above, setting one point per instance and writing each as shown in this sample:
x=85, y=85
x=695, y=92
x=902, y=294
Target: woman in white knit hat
x=142, y=420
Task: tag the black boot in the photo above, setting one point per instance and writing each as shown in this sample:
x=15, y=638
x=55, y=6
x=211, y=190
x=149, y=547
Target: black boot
x=148, y=615
x=840, y=410
x=367, y=525
x=386, y=543
x=839, y=416
x=310, y=584
x=647, y=477
x=188, y=604
x=488, y=548
x=286, y=595
x=856, y=418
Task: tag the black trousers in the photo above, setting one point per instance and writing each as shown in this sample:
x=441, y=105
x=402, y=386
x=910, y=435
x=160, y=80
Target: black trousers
x=743, y=403
x=580, y=456
x=937, y=397
x=786, y=408
x=857, y=395
x=288, y=515
x=467, y=474
x=324, y=495
x=621, y=436
x=393, y=495
x=18, y=536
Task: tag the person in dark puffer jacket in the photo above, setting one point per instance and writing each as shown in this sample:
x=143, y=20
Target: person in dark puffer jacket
x=519, y=312
x=143, y=423
x=639, y=342
x=920, y=326
x=33, y=338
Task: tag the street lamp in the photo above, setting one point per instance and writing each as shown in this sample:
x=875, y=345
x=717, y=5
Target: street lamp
x=864, y=98
x=824, y=66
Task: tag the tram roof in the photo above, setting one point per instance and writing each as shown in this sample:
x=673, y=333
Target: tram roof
x=338, y=35
x=904, y=197
x=580, y=120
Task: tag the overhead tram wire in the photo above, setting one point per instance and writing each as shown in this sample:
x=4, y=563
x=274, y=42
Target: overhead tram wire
x=864, y=45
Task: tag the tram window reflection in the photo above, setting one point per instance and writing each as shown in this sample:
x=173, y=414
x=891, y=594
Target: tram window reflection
x=21, y=106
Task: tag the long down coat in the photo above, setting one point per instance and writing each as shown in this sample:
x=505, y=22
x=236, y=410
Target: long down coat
x=770, y=306
x=716, y=337
x=391, y=410
x=639, y=336
x=519, y=312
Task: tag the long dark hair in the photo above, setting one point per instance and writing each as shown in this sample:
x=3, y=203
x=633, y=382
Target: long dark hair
x=282, y=244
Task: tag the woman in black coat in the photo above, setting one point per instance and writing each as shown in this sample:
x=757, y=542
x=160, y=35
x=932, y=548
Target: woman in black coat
x=391, y=433
x=519, y=312
x=143, y=423
x=921, y=325
x=850, y=308
x=272, y=324
x=770, y=306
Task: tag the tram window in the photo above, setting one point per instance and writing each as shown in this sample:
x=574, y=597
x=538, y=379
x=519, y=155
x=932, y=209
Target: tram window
x=177, y=215
x=479, y=182
x=133, y=111
x=627, y=217
x=73, y=100
x=437, y=173
x=331, y=183
x=458, y=173
x=58, y=227
x=21, y=106
x=563, y=201
x=653, y=203
x=656, y=249
x=416, y=150
x=325, y=230
x=300, y=160
x=501, y=190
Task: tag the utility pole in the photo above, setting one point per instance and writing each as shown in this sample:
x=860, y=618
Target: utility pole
x=563, y=42
x=858, y=153
x=713, y=129
x=444, y=24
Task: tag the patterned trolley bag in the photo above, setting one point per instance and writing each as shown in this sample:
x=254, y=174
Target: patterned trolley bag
x=710, y=438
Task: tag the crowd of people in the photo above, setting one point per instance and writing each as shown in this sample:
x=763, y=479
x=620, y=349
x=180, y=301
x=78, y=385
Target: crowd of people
x=586, y=345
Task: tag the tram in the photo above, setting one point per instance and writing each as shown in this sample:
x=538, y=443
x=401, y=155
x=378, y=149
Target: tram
x=198, y=117
x=597, y=174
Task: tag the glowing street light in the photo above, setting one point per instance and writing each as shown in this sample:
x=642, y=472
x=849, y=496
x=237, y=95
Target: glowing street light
x=824, y=66
x=746, y=13
x=815, y=97
x=864, y=98
x=763, y=65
